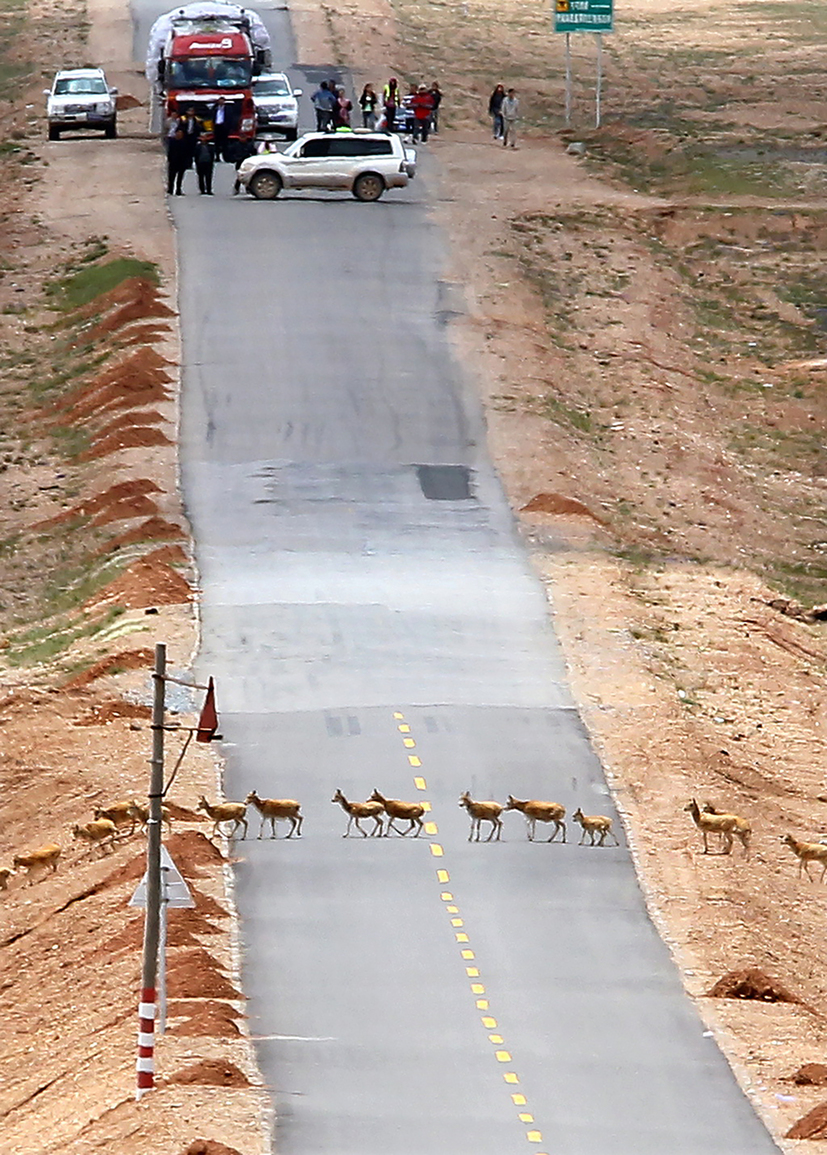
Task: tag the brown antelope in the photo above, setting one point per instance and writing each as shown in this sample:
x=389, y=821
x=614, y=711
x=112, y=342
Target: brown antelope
x=357, y=810
x=271, y=809
x=38, y=860
x=482, y=812
x=119, y=813
x=234, y=812
x=539, y=812
x=140, y=814
x=102, y=832
x=411, y=812
x=594, y=824
x=807, y=852
x=728, y=826
x=5, y=874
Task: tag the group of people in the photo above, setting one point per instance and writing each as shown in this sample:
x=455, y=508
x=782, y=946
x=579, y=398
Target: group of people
x=186, y=147
x=504, y=110
x=417, y=113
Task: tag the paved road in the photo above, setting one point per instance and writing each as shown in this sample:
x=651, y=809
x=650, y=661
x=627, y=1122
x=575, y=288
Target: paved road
x=372, y=621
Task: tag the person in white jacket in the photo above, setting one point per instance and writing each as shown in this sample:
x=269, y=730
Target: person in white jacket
x=510, y=112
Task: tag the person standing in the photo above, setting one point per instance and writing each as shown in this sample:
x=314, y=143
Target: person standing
x=422, y=106
x=495, y=105
x=344, y=108
x=179, y=159
x=220, y=127
x=323, y=101
x=204, y=163
x=510, y=112
x=367, y=102
x=436, y=97
x=390, y=103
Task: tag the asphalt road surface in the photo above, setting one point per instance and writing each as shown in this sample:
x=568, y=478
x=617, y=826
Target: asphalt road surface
x=372, y=621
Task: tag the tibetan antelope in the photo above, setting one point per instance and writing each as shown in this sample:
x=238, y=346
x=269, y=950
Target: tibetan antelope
x=234, y=812
x=482, y=812
x=102, y=832
x=594, y=824
x=38, y=860
x=140, y=814
x=540, y=812
x=807, y=852
x=272, y=809
x=356, y=810
x=410, y=812
x=729, y=826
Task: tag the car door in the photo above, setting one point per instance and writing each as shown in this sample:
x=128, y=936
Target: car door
x=307, y=166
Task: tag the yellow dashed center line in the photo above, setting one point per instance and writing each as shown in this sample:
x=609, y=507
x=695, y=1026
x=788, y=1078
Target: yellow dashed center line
x=477, y=988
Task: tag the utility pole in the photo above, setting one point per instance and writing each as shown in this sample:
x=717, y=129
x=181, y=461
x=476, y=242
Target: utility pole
x=149, y=966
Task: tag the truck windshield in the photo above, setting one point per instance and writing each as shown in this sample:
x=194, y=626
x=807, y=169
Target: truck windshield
x=210, y=72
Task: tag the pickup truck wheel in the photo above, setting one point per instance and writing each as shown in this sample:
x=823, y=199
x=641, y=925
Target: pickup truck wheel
x=111, y=130
x=368, y=187
x=54, y=132
x=265, y=186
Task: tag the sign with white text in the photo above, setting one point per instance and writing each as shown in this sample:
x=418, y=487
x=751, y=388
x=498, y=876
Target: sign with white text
x=583, y=15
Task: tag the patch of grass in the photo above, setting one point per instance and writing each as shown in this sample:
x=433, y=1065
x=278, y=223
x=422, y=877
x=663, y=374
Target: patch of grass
x=558, y=411
x=80, y=288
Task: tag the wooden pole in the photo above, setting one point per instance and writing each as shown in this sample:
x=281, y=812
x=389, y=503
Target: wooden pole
x=152, y=925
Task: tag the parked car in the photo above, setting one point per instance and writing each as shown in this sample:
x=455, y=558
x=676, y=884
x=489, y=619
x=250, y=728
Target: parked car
x=81, y=98
x=276, y=104
x=364, y=162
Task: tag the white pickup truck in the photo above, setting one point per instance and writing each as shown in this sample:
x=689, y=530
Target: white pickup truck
x=365, y=163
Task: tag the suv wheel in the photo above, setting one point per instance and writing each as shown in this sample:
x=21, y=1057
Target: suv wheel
x=368, y=187
x=266, y=185
x=111, y=130
x=54, y=132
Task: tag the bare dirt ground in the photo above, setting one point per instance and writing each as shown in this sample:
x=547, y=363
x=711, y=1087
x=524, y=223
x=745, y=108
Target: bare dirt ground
x=647, y=323
x=96, y=566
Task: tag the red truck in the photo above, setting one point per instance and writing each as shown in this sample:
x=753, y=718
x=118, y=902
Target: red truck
x=197, y=57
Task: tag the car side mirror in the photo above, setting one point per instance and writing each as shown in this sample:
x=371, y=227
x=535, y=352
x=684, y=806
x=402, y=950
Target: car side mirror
x=298, y=91
x=113, y=92
x=47, y=92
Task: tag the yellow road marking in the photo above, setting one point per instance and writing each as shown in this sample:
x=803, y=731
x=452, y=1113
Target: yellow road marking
x=399, y=716
x=443, y=876
x=518, y=1100
x=489, y=1023
x=446, y=896
x=452, y=909
x=404, y=728
x=534, y=1136
x=525, y=1117
x=477, y=988
x=426, y=806
x=414, y=761
x=482, y=1004
x=468, y=954
x=436, y=850
x=502, y=1056
x=431, y=828
x=510, y=1077
x=497, y=1039
x=461, y=936
x=409, y=742
x=456, y=921
x=420, y=784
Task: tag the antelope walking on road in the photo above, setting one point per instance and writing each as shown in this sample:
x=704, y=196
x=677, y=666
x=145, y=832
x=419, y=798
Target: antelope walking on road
x=234, y=812
x=482, y=812
x=535, y=812
x=356, y=810
x=272, y=809
x=594, y=824
x=410, y=812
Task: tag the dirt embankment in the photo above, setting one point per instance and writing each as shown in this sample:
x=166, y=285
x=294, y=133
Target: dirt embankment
x=645, y=317
x=96, y=562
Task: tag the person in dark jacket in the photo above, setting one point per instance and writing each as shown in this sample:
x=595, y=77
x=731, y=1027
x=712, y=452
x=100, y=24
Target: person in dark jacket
x=204, y=163
x=220, y=127
x=495, y=105
x=324, y=102
x=436, y=97
x=179, y=159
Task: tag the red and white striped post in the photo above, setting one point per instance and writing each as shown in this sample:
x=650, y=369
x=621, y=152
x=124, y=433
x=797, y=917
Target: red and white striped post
x=146, y=1042
x=152, y=924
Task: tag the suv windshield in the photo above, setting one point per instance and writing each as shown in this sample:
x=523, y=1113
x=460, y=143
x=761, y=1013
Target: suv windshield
x=210, y=72
x=271, y=88
x=80, y=86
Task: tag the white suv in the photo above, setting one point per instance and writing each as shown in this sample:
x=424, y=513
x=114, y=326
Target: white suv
x=365, y=163
x=277, y=109
x=81, y=98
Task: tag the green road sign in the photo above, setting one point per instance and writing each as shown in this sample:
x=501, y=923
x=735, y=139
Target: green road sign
x=583, y=15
